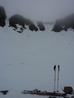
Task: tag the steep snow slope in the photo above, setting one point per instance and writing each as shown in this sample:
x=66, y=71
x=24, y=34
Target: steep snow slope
x=27, y=60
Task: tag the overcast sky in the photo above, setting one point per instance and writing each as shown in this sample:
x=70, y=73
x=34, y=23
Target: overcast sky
x=39, y=9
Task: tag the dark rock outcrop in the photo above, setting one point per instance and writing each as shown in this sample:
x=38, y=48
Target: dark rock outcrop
x=32, y=27
x=2, y=16
x=57, y=27
x=16, y=19
x=4, y=92
x=20, y=20
x=70, y=20
x=40, y=26
x=64, y=24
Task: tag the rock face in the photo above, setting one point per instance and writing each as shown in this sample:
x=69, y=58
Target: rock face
x=4, y=92
x=64, y=24
x=70, y=21
x=2, y=16
x=57, y=27
x=40, y=26
x=32, y=27
x=20, y=20
x=17, y=19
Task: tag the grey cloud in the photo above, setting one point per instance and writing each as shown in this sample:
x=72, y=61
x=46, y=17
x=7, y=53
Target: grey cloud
x=39, y=9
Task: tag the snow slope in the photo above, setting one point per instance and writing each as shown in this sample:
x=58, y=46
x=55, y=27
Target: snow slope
x=27, y=60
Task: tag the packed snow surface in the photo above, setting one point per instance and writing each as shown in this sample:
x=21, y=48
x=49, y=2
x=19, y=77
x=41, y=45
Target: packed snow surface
x=27, y=60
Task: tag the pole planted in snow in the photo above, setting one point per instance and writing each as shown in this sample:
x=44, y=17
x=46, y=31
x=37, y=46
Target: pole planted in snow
x=58, y=78
x=54, y=78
